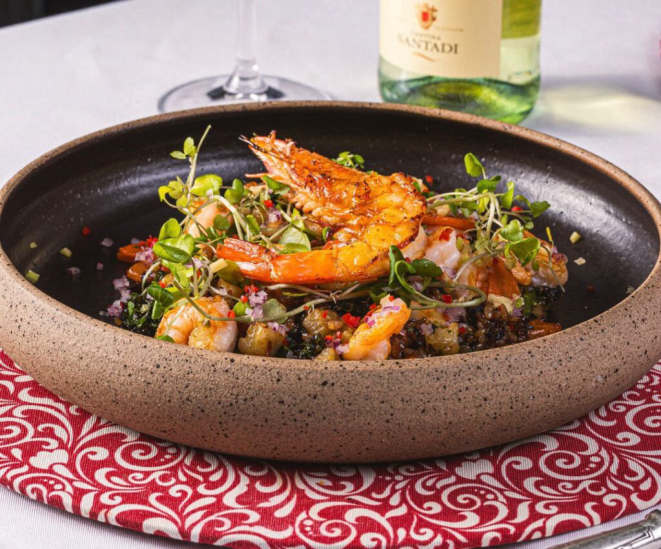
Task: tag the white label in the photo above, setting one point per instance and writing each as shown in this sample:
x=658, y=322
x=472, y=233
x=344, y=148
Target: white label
x=451, y=38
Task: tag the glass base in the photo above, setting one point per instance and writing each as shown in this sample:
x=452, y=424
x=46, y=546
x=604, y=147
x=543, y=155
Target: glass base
x=209, y=92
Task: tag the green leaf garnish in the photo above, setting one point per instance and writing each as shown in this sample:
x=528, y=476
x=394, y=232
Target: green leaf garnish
x=165, y=338
x=274, y=311
x=231, y=273
x=177, y=250
x=538, y=208
x=189, y=147
x=169, y=229
x=294, y=235
x=252, y=224
x=205, y=183
x=221, y=223
x=350, y=160
x=174, y=189
x=473, y=165
x=512, y=231
x=426, y=268
x=524, y=250
x=293, y=248
x=235, y=194
x=507, y=198
x=275, y=186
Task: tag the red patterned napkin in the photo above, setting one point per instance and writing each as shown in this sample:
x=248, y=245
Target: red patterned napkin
x=593, y=470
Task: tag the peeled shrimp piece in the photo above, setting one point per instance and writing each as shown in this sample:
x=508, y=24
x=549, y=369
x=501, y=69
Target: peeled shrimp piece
x=204, y=217
x=372, y=342
x=544, y=276
x=187, y=326
x=442, y=249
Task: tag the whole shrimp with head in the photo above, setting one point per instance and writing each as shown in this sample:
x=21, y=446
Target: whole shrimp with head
x=365, y=213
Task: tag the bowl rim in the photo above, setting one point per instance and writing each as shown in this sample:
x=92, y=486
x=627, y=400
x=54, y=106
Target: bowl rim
x=643, y=196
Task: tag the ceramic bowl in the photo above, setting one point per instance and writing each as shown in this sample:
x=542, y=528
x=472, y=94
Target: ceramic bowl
x=325, y=411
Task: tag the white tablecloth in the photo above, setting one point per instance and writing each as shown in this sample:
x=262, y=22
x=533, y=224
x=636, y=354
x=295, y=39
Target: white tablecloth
x=66, y=76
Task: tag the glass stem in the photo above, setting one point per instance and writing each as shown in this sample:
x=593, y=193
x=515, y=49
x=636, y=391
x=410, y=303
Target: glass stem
x=246, y=78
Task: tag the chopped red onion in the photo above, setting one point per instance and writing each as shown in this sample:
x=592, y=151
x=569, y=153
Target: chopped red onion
x=341, y=349
x=517, y=312
x=280, y=328
x=560, y=257
x=426, y=329
x=99, y=266
x=258, y=298
x=124, y=294
x=257, y=312
x=370, y=321
x=120, y=283
x=115, y=310
x=453, y=314
x=146, y=255
x=274, y=216
x=73, y=271
x=107, y=242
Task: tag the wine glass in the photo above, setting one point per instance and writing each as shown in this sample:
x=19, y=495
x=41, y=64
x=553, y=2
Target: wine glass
x=245, y=84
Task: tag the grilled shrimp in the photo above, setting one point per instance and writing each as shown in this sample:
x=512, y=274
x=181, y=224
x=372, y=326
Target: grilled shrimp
x=204, y=217
x=371, y=340
x=544, y=276
x=187, y=326
x=365, y=214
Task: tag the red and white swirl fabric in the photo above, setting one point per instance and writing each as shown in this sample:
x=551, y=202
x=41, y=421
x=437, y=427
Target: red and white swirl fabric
x=593, y=470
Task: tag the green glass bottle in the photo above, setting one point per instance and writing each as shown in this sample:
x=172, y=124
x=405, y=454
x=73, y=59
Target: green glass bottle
x=475, y=56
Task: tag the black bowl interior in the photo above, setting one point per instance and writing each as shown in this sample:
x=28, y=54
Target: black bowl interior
x=110, y=185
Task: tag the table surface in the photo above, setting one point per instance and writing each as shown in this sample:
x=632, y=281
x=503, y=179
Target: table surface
x=66, y=76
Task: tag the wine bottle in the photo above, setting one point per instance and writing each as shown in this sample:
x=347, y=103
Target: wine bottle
x=475, y=56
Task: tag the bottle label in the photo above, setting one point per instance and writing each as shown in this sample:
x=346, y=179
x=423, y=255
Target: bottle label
x=450, y=38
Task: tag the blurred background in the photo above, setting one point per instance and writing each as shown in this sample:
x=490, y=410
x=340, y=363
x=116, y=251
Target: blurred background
x=18, y=11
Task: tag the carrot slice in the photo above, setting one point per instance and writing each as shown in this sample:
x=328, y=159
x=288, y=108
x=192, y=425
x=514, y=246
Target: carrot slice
x=539, y=328
x=136, y=271
x=127, y=253
x=462, y=224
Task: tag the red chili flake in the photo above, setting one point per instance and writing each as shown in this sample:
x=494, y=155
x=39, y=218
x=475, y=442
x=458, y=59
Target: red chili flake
x=165, y=269
x=445, y=235
x=150, y=241
x=86, y=231
x=324, y=314
x=162, y=284
x=351, y=320
x=244, y=298
x=329, y=338
x=391, y=297
x=407, y=259
x=231, y=314
x=462, y=330
x=268, y=203
x=446, y=298
x=372, y=306
x=305, y=307
x=590, y=288
x=251, y=289
x=516, y=208
x=429, y=179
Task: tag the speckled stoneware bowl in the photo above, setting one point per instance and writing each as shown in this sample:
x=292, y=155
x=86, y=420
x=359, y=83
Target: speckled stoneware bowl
x=321, y=411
